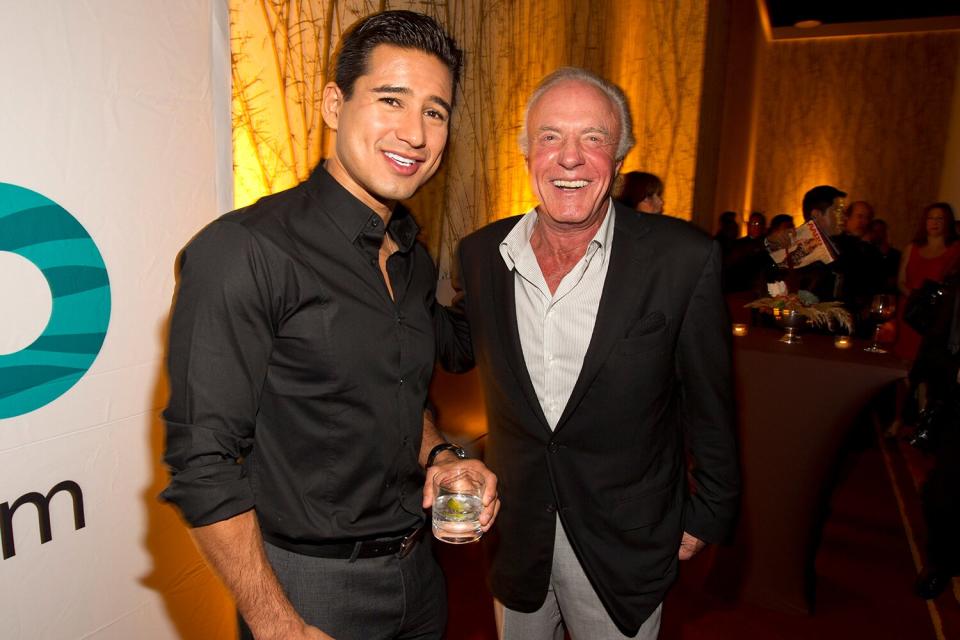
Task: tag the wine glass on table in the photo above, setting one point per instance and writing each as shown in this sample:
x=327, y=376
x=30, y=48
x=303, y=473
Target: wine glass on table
x=882, y=308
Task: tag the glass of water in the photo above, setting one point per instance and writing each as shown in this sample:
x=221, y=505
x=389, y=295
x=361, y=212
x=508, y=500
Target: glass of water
x=457, y=503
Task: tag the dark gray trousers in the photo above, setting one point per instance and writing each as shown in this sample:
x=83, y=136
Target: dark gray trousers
x=367, y=599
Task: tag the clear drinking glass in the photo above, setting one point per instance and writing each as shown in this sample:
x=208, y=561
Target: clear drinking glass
x=882, y=308
x=457, y=503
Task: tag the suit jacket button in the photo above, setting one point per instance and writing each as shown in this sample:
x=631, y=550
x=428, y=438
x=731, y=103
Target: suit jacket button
x=554, y=447
x=551, y=508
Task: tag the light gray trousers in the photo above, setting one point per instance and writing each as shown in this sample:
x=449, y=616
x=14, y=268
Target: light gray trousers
x=571, y=603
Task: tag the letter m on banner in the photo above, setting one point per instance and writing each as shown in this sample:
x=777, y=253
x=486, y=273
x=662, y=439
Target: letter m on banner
x=42, y=503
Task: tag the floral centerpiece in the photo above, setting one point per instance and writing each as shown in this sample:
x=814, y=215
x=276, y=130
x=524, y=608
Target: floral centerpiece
x=821, y=314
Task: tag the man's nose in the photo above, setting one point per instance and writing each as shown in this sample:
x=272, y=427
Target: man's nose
x=570, y=154
x=411, y=130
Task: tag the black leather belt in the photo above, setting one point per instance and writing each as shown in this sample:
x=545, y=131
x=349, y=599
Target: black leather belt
x=351, y=550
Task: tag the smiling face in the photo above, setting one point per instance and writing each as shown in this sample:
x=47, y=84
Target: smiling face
x=573, y=132
x=392, y=131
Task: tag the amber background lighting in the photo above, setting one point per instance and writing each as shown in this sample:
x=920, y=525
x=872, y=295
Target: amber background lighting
x=653, y=50
x=867, y=114
x=731, y=116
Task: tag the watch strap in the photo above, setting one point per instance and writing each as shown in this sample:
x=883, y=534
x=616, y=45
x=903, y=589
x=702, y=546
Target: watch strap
x=445, y=446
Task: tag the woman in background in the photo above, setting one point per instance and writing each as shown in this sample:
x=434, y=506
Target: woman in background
x=642, y=192
x=928, y=257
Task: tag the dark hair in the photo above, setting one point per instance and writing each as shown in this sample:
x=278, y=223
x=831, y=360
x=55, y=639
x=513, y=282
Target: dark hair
x=779, y=220
x=757, y=214
x=404, y=29
x=638, y=186
x=820, y=199
x=949, y=229
x=863, y=203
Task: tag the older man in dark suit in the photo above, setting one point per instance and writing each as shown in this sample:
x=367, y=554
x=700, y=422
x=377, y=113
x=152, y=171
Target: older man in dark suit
x=604, y=349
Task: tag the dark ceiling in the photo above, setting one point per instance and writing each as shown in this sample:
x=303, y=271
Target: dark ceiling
x=785, y=13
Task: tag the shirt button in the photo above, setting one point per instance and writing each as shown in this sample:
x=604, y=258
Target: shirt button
x=401, y=380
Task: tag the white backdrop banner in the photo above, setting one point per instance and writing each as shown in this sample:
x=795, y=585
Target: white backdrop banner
x=115, y=141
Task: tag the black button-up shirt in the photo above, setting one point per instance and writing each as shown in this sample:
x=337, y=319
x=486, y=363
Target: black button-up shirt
x=297, y=383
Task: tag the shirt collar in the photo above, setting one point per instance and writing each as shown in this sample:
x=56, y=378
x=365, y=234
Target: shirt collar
x=518, y=239
x=357, y=221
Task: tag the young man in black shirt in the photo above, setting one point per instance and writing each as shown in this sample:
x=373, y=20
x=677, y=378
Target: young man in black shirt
x=301, y=347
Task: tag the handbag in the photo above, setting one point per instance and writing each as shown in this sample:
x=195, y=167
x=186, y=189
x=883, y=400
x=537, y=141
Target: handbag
x=920, y=308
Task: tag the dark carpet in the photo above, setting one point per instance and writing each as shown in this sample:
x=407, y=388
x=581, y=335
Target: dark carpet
x=865, y=568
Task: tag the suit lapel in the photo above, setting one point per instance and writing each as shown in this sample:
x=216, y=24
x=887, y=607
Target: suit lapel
x=505, y=312
x=618, y=301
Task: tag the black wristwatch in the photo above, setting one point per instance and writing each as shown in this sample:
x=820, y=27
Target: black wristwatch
x=445, y=446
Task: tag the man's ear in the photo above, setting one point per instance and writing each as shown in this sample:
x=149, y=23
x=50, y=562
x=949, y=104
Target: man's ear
x=330, y=106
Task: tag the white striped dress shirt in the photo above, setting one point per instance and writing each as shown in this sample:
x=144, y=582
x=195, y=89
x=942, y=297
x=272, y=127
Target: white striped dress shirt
x=555, y=329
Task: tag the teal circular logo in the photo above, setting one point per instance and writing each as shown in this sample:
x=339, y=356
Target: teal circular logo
x=44, y=233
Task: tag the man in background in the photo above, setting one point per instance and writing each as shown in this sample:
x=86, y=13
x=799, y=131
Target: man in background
x=746, y=266
x=859, y=216
x=889, y=256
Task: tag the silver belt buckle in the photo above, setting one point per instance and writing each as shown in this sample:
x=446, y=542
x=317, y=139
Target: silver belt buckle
x=406, y=546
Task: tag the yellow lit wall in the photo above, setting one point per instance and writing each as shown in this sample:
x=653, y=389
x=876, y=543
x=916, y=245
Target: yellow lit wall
x=868, y=114
x=655, y=53
x=652, y=48
x=280, y=52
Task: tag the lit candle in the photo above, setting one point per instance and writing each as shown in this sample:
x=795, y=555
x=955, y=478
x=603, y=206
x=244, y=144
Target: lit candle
x=842, y=342
x=739, y=329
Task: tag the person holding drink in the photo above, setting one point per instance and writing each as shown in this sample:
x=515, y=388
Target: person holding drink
x=458, y=505
x=302, y=343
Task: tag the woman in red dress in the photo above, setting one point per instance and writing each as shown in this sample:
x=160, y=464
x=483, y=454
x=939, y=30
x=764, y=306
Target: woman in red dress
x=928, y=257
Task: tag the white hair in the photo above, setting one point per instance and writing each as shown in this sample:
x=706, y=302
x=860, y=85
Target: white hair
x=612, y=91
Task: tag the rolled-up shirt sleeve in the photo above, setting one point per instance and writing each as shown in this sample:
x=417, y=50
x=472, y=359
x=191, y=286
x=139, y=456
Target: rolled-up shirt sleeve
x=221, y=336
